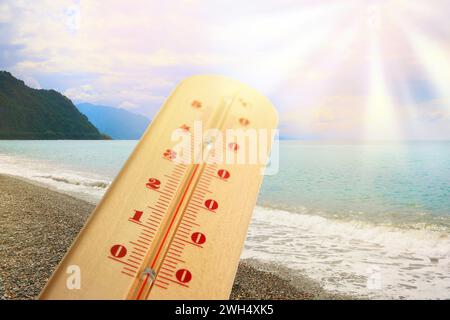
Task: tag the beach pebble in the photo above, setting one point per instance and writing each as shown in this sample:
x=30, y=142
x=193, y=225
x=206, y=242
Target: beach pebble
x=39, y=225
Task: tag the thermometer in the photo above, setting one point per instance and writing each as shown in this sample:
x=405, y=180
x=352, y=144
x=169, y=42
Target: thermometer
x=173, y=223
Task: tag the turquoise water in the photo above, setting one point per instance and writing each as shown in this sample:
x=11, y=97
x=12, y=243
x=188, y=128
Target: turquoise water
x=103, y=157
x=343, y=214
x=384, y=183
x=404, y=184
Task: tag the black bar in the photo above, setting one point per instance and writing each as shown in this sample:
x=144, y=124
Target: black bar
x=248, y=309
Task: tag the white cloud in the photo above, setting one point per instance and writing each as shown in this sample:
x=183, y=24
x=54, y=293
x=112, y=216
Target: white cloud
x=334, y=117
x=124, y=97
x=82, y=93
x=31, y=82
x=434, y=111
x=127, y=105
x=73, y=18
x=5, y=13
x=300, y=53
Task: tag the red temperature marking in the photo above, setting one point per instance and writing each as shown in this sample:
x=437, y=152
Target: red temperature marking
x=118, y=251
x=153, y=183
x=137, y=215
x=183, y=275
x=196, y=104
x=168, y=230
x=198, y=238
x=244, y=121
x=185, y=128
x=170, y=154
x=211, y=204
x=233, y=146
x=223, y=174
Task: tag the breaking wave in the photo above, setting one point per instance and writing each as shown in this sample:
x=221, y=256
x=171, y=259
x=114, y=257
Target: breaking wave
x=345, y=256
x=82, y=182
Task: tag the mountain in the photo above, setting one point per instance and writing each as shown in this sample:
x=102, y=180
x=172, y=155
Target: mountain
x=115, y=122
x=27, y=113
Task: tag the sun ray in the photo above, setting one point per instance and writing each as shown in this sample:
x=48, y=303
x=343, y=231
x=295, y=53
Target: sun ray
x=339, y=44
x=298, y=34
x=434, y=58
x=414, y=129
x=381, y=121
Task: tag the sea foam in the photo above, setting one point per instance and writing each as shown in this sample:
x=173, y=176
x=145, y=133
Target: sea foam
x=353, y=256
x=85, y=185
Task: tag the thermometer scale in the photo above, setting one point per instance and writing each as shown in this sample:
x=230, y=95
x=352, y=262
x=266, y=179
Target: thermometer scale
x=173, y=223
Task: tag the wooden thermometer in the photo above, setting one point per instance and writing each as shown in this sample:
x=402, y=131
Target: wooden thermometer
x=173, y=223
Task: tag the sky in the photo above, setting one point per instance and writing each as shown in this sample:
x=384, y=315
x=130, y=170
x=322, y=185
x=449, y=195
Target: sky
x=334, y=69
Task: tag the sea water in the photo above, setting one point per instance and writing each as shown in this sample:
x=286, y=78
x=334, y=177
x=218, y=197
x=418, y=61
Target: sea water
x=371, y=219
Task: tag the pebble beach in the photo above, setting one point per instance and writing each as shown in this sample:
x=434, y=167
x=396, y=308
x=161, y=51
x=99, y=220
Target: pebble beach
x=38, y=225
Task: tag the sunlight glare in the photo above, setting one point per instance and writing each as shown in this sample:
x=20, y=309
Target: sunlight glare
x=380, y=117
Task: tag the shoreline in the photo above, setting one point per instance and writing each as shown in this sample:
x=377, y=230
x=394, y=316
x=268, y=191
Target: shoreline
x=39, y=224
